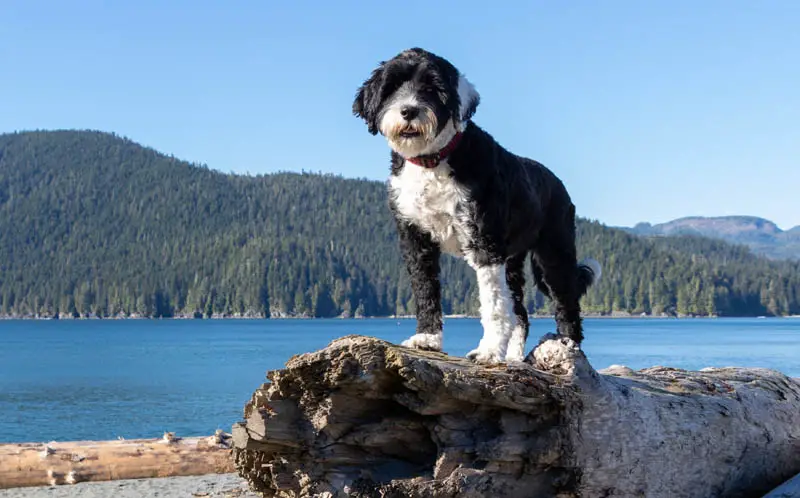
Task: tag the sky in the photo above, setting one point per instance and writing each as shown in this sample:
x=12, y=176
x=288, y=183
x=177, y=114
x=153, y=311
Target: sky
x=648, y=111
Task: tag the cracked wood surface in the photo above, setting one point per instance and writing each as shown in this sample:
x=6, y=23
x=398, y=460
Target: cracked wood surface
x=365, y=418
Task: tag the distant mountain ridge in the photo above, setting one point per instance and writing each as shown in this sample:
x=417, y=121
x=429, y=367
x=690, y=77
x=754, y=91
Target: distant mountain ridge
x=760, y=235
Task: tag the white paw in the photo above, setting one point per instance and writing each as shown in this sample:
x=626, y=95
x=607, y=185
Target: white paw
x=428, y=342
x=516, y=346
x=485, y=355
x=515, y=353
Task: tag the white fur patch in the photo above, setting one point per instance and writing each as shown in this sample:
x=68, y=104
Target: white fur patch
x=467, y=94
x=431, y=342
x=497, y=314
x=516, y=345
x=429, y=198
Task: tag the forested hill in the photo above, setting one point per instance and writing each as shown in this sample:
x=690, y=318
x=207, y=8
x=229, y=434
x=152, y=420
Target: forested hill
x=94, y=224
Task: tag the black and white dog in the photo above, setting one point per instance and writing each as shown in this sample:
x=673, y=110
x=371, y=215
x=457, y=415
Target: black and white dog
x=454, y=189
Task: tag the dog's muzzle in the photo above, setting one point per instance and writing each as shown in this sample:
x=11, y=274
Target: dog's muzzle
x=410, y=131
x=409, y=112
x=409, y=122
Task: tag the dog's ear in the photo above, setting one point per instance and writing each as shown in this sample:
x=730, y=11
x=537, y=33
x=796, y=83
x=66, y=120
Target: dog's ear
x=468, y=97
x=367, y=103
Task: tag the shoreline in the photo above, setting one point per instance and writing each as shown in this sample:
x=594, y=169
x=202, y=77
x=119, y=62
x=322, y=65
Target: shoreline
x=613, y=316
x=227, y=485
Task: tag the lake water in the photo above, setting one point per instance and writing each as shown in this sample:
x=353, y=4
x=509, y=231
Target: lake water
x=103, y=379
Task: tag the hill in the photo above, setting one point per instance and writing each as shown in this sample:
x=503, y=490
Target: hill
x=760, y=235
x=95, y=224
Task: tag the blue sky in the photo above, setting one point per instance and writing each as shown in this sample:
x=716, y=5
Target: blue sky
x=647, y=110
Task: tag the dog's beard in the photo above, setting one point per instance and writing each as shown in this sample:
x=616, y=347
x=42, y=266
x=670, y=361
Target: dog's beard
x=409, y=138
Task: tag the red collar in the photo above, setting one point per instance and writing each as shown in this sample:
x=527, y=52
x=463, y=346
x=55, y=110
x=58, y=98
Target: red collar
x=433, y=160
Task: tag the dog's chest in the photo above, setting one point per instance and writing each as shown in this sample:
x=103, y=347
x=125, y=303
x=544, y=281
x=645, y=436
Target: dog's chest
x=432, y=200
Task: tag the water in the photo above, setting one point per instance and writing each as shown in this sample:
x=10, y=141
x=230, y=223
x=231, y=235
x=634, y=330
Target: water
x=103, y=379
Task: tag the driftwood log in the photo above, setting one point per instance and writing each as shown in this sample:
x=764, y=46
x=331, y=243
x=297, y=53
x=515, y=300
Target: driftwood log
x=56, y=463
x=366, y=418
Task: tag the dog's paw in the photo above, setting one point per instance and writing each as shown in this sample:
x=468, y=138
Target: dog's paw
x=485, y=355
x=516, y=346
x=515, y=353
x=427, y=342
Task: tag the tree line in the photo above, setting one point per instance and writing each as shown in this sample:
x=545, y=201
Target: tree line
x=94, y=224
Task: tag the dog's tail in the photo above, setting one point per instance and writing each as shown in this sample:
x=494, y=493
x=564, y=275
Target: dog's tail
x=589, y=272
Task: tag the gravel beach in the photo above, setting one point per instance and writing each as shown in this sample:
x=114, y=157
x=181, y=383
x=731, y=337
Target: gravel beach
x=212, y=485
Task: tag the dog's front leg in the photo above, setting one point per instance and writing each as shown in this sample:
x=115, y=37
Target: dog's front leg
x=421, y=255
x=497, y=308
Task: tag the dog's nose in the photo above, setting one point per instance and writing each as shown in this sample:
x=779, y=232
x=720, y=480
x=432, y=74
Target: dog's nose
x=409, y=112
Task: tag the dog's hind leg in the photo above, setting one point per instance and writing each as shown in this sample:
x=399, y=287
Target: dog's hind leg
x=421, y=255
x=515, y=275
x=556, y=257
x=538, y=277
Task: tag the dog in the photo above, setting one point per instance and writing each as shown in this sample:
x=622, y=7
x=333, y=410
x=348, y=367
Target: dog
x=453, y=189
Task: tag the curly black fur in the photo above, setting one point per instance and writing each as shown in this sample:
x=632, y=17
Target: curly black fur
x=512, y=207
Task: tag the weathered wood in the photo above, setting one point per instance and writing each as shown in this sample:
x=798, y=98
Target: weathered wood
x=43, y=464
x=366, y=418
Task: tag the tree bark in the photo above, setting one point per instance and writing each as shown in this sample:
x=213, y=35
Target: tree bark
x=366, y=418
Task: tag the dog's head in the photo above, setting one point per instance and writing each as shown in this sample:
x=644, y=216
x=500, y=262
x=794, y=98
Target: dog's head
x=417, y=100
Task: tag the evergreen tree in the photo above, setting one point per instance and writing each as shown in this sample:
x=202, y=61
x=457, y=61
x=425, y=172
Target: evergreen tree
x=92, y=223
